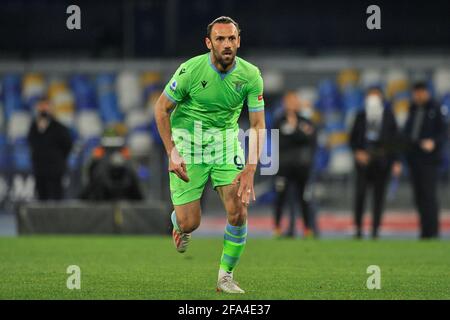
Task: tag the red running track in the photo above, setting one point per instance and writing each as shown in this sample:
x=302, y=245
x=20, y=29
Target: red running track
x=331, y=222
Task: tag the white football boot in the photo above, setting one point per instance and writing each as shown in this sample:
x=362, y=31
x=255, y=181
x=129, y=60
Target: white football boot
x=226, y=284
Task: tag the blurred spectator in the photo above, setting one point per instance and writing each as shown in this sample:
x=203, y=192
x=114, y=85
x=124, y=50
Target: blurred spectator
x=372, y=140
x=50, y=143
x=425, y=133
x=296, y=146
x=110, y=174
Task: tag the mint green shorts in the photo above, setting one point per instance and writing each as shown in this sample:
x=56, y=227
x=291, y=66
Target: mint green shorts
x=221, y=174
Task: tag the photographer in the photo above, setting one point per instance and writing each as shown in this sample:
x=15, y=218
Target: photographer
x=111, y=176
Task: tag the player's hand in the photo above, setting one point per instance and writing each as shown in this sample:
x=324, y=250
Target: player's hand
x=177, y=165
x=246, y=192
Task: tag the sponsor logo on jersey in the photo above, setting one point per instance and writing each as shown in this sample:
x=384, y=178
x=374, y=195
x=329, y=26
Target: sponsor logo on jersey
x=183, y=70
x=173, y=85
x=204, y=83
x=260, y=97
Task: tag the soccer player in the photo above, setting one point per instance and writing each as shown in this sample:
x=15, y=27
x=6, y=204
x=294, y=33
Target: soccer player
x=198, y=112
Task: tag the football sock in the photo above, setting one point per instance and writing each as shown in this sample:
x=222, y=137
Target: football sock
x=233, y=246
x=173, y=217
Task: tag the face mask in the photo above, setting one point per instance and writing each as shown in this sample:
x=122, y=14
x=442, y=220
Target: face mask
x=44, y=114
x=374, y=107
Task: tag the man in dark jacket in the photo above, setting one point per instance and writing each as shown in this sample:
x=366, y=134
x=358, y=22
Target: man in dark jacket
x=374, y=141
x=50, y=143
x=425, y=134
x=297, y=143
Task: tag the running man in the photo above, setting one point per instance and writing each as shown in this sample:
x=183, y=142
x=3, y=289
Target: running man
x=206, y=95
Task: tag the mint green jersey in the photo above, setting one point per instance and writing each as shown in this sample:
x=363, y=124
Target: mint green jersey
x=213, y=101
x=205, y=95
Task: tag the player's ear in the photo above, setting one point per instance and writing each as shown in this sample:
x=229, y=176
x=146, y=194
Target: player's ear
x=239, y=42
x=208, y=43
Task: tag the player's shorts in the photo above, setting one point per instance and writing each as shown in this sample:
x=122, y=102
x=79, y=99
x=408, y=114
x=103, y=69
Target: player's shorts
x=221, y=174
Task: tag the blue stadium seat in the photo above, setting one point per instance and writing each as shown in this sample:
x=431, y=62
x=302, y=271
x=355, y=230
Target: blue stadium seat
x=12, y=100
x=21, y=157
x=4, y=154
x=329, y=96
x=155, y=133
x=352, y=99
x=84, y=92
x=107, y=99
x=446, y=106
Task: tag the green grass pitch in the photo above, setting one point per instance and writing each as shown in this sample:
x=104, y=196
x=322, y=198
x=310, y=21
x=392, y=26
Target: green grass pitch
x=126, y=267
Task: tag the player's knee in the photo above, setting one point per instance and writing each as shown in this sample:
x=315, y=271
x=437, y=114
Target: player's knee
x=237, y=217
x=188, y=226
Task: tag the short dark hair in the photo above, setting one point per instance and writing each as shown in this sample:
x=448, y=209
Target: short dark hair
x=222, y=19
x=420, y=85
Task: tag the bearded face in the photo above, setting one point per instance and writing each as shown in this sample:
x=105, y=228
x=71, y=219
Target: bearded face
x=223, y=43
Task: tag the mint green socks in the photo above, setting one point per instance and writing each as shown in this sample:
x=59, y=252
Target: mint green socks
x=233, y=246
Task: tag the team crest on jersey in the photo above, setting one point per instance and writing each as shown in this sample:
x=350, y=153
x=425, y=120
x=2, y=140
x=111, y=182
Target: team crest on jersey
x=238, y=85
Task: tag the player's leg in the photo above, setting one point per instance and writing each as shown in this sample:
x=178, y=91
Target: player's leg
x=235, y=234
x=234, y=238
x=186, y=200
x=186, y=217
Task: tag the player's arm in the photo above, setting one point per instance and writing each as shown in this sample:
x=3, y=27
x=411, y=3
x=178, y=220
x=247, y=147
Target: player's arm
x=174, y=92
x=162, y=115
x=255, y=103
x=256, y=139
x=246, y=190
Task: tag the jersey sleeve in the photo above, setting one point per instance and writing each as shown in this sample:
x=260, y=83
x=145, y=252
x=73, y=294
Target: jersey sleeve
x=255, y=99
x=178, y=86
